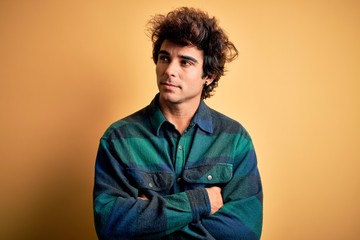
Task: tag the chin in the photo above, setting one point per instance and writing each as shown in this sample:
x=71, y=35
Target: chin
x=169, y=97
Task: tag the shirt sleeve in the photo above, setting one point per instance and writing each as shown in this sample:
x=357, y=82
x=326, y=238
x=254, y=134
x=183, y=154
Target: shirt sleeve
x=120, y=214
x=242, y=212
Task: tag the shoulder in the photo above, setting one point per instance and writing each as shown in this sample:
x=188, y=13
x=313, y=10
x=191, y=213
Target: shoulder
x=130, y=123
x=224, y=123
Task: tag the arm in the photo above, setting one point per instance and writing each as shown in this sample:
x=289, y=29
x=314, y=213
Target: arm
x=241, y=215
x=216, y=201
x=120, y=213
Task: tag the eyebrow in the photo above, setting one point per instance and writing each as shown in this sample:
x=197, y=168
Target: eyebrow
x=164, y=52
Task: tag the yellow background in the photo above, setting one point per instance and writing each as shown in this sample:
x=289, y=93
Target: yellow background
x=70, y=68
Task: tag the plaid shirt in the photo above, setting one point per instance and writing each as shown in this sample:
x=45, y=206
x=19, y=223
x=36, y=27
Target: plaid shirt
x=144, y=154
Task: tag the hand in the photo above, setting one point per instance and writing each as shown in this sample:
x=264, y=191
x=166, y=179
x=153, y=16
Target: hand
x=143, y=197
x=215, y=197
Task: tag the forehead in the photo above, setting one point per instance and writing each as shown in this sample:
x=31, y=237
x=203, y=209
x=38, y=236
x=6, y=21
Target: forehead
x=179, y=50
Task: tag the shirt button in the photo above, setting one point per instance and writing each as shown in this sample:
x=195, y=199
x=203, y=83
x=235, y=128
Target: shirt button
x=180, y=147
x=150, y=185
x=209, y=177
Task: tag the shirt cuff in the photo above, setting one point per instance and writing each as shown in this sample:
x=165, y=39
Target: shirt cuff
x=199, y=202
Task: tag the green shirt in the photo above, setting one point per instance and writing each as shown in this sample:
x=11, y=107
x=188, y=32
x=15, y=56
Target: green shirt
x=144, y=154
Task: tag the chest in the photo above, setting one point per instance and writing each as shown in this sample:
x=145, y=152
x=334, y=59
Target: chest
x=175, y=163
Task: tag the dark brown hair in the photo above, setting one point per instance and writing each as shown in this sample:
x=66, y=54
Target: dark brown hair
x=188, y=26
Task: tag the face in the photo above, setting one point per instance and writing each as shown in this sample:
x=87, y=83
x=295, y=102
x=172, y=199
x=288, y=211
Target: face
x=179, y=71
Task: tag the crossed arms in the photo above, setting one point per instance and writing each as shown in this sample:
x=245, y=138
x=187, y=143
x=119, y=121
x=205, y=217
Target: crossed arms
x=128, y=209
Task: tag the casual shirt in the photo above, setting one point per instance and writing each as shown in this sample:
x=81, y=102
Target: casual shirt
x=144, y=155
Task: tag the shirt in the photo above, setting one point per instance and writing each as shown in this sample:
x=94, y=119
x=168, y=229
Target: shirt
x=144, y=154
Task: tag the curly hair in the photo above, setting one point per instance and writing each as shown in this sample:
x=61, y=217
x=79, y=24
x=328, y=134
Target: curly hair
x=189, y=26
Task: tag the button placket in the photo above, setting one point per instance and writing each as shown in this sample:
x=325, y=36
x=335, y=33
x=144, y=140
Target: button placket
x=180, y=161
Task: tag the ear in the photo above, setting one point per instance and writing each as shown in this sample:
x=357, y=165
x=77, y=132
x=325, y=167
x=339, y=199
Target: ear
x=209, y=79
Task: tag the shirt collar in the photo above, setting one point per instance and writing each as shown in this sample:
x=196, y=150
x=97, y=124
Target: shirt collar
x=202, y=116
x=155, y=115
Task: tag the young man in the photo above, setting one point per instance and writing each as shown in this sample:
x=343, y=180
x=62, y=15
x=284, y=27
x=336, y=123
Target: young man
x=178, y=169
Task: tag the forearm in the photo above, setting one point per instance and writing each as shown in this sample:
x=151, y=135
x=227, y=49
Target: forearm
x=236, y=220
x=241, y=215
x=136, y=218
x=240, y=219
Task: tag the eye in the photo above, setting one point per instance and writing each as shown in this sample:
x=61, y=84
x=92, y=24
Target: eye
x=163, y=58
x=186, y=63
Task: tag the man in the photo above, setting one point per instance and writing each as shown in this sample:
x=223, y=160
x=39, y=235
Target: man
x=178, y=169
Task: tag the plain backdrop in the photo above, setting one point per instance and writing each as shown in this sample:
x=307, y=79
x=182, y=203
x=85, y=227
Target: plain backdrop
x=68, y=69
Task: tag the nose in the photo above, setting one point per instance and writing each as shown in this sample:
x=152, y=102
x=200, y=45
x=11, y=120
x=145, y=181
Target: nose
x=171, y=69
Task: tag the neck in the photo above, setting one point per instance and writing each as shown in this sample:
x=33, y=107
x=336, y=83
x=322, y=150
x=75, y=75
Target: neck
x=179, y=114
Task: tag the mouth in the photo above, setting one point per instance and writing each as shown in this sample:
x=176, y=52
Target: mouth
x=168, y=85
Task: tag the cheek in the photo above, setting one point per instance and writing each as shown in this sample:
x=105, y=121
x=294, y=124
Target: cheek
x=157, y=69
x=158, y=72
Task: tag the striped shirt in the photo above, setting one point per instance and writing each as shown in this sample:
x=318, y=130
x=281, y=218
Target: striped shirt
x=144, y=154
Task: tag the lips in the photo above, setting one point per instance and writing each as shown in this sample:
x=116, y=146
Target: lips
x=168, y=85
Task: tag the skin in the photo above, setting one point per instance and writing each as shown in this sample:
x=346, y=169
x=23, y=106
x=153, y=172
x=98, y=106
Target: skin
x=179, y=71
